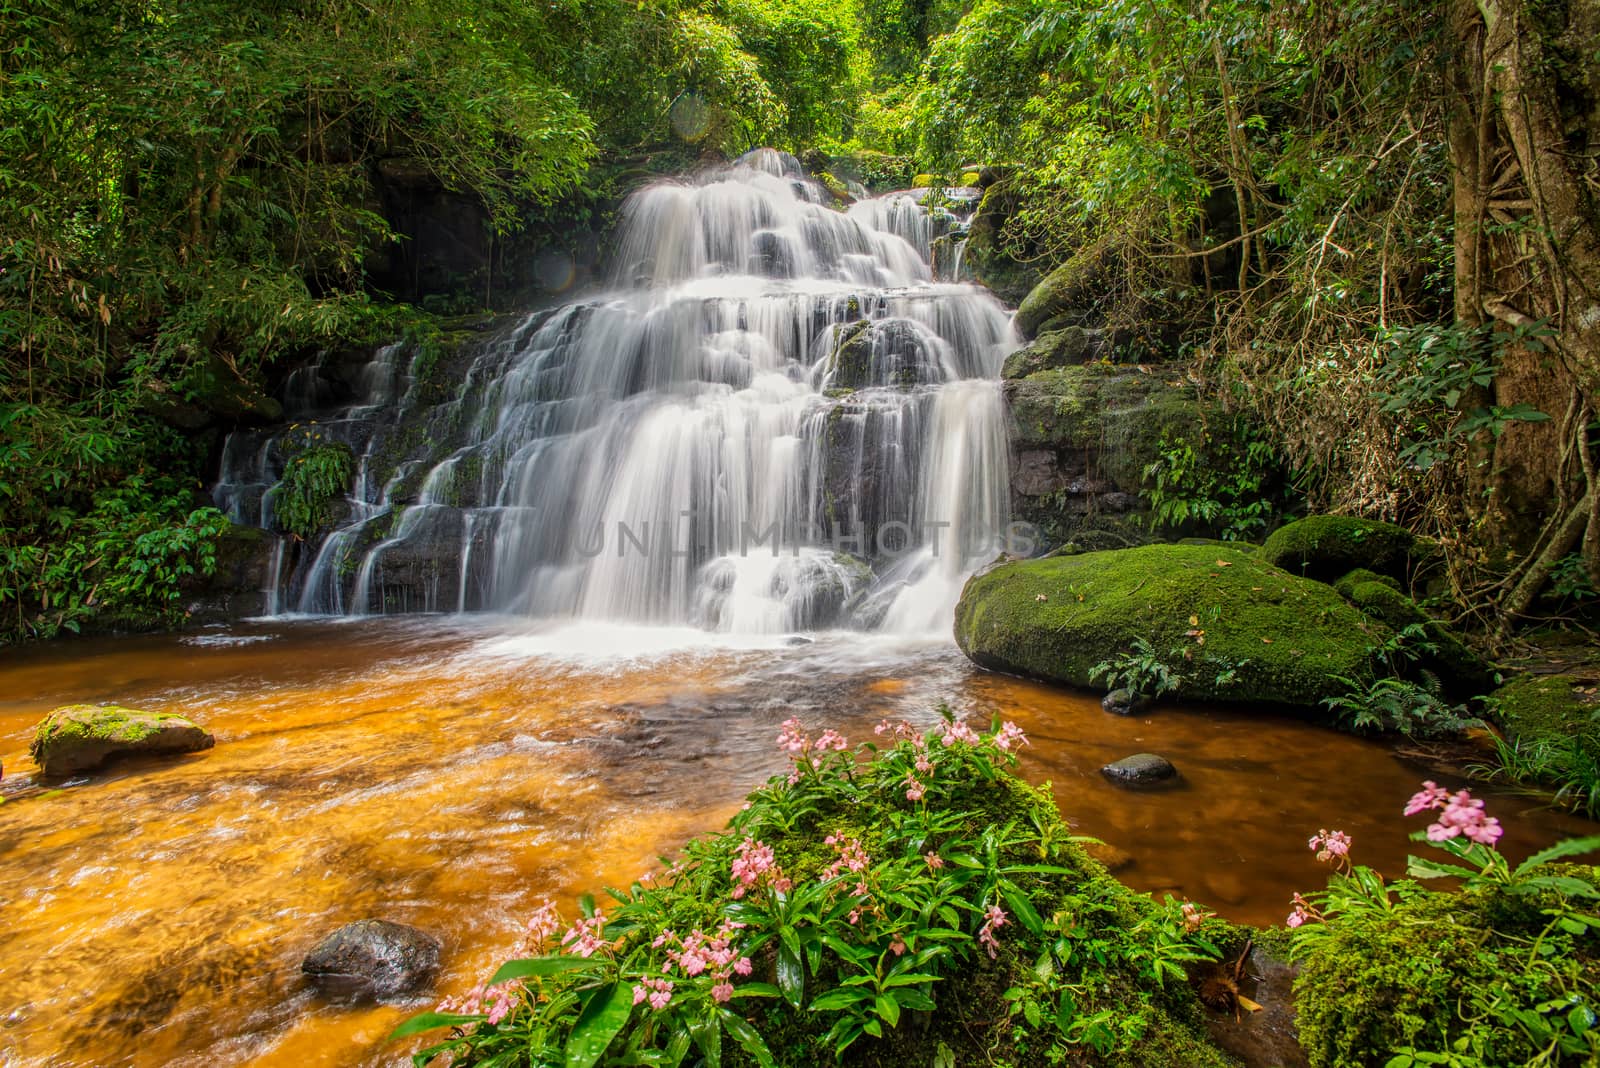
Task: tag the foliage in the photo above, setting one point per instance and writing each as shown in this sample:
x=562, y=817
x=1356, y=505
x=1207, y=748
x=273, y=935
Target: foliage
x=1223, y=483
x=1505, y=970
x=1141, y=671
x=316, y=475
x=1415, y=709
x=863, y=888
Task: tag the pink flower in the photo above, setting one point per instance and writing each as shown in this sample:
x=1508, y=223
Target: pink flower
x=898, y=945
x=1010, y=735
x=914, y=789
x=1302, y=912
x=723, y=991
x=1432, y=795
x=830, y=740
x=754, y=866
x=935, y=861
x=1297, y=917
x=1463, y=815
x=851, y=857
x=742, y=966
x=657, y=991
x=958, y=731
x=584, y=937
x=994, y=919
x=544, y=922
x=792, y=738
x=1194, y=916
x=1331, y=845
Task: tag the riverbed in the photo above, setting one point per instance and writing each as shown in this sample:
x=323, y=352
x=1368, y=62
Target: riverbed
x=452, y=772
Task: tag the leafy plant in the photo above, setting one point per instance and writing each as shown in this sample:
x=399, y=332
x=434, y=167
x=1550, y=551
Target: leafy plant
x=860, y=889
x=1141, y=671
x=1225, y=483
x=315, y=476
x=1414, y=709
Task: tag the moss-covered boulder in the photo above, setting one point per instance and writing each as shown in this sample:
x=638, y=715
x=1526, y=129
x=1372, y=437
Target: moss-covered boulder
x=1057, y=348
x=77, y=738
x=1437, y=648
x=1327, y=546
x=1550, y=718
x=1055, y=295
x=1228, y=625
x=1375, y=981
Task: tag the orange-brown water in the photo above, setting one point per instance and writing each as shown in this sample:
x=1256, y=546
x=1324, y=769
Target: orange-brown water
x=452, y=773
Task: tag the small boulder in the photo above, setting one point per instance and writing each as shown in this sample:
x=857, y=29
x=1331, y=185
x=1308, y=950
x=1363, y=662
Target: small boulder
x=372, y=959
x=1325, y=547
x=1056, y=348
x=78, y=738
x=1124, y=702
x=1141, y=769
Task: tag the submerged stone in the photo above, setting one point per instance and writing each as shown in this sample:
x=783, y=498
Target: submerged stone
x=372, y=959
x=77, y=738
x=1124, y=702
x=1227, y=625
x=1141, y=769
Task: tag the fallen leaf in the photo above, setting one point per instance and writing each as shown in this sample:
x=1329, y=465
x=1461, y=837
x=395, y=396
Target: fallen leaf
x=1224, y=563
x=1194, y=621
x=1267, y=641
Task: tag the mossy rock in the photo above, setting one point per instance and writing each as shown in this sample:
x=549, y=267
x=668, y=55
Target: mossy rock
x=1550, y=711
x=1228, y=624
x=77, y=738
x=1058, y=348
x=923, y=181
x=1463, y=672
x=1376, y=981
x=1327, y=546
x=1347, y=582
x=1054, y=296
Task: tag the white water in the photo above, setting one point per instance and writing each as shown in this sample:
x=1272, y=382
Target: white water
x=689, y=448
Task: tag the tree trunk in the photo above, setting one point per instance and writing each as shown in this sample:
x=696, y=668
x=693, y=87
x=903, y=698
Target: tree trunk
x=1527, y=246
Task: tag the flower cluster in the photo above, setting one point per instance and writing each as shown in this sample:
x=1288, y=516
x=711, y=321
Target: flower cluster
x=585, y=938
x=544, y=922
x=1194, y=916
x=1463, y=815
x=956, y=730
x=1010, y=735
x=698, y=954
x=793, y=739
x=994, y=919
x=657, y=991
x=852, y=858
x=754, y=867
x=1302, y=912
x=495, y=1002
x=1332, y=846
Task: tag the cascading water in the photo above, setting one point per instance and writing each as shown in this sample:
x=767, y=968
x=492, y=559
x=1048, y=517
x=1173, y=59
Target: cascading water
x=775, y=421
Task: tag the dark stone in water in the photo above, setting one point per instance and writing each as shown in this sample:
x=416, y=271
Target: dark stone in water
x=372, y=959
x=1124, y=702
x=1141, y=769
x=797, y=639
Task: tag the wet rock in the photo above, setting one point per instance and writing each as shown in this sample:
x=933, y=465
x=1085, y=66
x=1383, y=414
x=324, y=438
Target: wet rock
x=1141, y=769
x=1325, y=547
x=1056, y=348
x=1270, y=638
x=372, y=959
x=1263, y=1039
x=77, y=738
x=1124, y=702
x=883, y=352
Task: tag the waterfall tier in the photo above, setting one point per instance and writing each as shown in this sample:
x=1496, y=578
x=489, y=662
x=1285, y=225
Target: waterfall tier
x=775, y=420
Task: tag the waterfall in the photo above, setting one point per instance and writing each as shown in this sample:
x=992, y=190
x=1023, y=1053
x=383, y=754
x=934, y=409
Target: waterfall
x=774, y=420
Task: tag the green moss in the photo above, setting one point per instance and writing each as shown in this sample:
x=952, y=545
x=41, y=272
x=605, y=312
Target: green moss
x=1053, y=296
x=1057, y=348
x=1268, y=637
x=1327, y=546
x=1350, y=580
x=1375, y=981
x=1542, y=710
x=71, y=725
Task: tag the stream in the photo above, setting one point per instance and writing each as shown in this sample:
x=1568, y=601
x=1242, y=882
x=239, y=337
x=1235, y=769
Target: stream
x=453, y=771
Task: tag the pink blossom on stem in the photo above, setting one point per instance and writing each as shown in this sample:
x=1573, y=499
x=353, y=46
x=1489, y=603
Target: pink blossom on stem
x=544, y=922
x=1010, y=735
x=1432, y=795
x=755, y=866
x=1194, y=916
x=793, y=738
x=994, y=919
x=830, y=740
x=584, y=938
x=1330, y=845
x=657, y=991
x=958, y=731
x=935, y=861
x=723, y=991
x=1302, y=912
x=897, y=945
x=914, y=789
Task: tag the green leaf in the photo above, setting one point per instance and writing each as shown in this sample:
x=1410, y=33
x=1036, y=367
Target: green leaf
x=746, y=1036
x=1022, y=908
x=1423, y=868
x=605, y=1014
x=540, y=966
x=1568, y=848
x=841, y=998
x=889, y=1009
x=429, y=1021
x=791, y=975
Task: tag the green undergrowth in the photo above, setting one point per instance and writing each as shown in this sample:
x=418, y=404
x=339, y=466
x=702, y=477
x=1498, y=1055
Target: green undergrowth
x=909, y=903
x=1502, y=970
